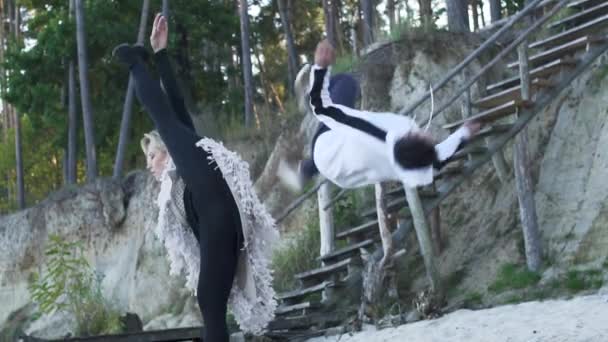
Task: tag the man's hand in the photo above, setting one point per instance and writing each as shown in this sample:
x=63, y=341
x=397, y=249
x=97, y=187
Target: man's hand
x=473, y=126
x=325, y=54
x=160, y=32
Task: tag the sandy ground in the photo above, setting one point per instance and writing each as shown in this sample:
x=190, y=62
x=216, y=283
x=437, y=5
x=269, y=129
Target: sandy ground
x=577, y=319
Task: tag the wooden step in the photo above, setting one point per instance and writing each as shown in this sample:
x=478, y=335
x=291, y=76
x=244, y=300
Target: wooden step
x=398, y=203
x=585, y=15
x=558, y=51
x=363, y=229
x=397, y=191
x=584, y=3
x=510, y=94
x=345, y=252
x=300, y=293
x=304, y=307
x=322, y=272
x=571, y=34
x=448, y=171
x=316, y=319
x=391, y=206
x=544, y=71
x=491, y=130
x=492, y=114
x=467, y=150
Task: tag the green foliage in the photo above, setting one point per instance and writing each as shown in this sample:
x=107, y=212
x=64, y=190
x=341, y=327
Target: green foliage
x=346, y=210
x=576, y=281
x=345, y=63
x=454, y=279
x=513, y=276
x=298, y=255
x=42, y=165
x=473, y=299
x=71, y=286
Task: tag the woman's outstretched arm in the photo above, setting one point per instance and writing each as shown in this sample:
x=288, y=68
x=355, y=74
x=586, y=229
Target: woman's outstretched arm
x=158, y=41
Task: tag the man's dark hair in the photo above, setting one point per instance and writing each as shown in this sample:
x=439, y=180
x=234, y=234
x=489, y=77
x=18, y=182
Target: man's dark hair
x=414, y=151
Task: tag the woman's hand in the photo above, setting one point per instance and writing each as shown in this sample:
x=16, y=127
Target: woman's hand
x=160, y=32
x=325, y=54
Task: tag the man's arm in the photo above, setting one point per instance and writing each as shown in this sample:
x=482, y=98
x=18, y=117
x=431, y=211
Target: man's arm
x=335, y=116
x=451, y=144
x=158, y=41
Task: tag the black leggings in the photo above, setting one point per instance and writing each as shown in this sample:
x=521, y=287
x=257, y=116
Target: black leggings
x=212, y=211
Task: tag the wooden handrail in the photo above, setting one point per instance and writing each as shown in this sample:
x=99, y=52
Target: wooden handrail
x=488, y=43
x=500, y=55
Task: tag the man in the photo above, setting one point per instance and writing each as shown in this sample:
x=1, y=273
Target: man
x=361, y=148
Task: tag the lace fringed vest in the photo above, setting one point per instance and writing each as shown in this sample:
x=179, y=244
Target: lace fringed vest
x=252, y=299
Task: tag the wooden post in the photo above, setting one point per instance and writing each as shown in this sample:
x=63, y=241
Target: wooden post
x=326, y=228
x=435, y=221
x=466, y=109
x=326, y=220
x=424, y=239
x=523, y=177
x=385, y=233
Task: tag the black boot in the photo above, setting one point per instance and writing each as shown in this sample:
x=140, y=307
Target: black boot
x=130, y=54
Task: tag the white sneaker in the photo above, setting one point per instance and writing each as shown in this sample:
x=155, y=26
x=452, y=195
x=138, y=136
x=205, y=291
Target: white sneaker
x=289, y=176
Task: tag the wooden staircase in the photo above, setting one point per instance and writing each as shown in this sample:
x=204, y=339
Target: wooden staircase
x=555, y=61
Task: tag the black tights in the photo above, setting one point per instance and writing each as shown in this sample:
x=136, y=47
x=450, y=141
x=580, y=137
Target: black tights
x=212, y=211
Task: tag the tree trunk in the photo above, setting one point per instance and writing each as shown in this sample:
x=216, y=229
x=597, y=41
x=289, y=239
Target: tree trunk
x=368, y=21
x=481, y=14
x=390, y=11
x=166, y=9
x=127, y=109
x=246, y=63
x=16, y=28
x=330, y=26
x=475, y=14
x=458, y=15
x=426, y=14
x=87, y=110
x=19, y=157
x=338, y=34
x=292, y=62
x=72, y=116
x=495, y=14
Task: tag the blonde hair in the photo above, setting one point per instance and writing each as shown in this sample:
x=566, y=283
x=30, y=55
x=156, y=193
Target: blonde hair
x=152, y=140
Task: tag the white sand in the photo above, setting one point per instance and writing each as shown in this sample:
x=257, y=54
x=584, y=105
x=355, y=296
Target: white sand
x=578, y=319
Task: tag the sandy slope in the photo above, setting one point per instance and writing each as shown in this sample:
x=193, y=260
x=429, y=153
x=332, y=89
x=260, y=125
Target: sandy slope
x=578, y=319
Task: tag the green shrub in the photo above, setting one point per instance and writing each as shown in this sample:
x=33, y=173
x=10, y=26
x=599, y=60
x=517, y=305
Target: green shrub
x=299, y=255
x=512, y=276
x=70, y=285
x=345, y=63
x=576, y=281
x=473, y=299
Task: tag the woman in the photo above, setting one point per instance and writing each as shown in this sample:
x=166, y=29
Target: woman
x=206, y=195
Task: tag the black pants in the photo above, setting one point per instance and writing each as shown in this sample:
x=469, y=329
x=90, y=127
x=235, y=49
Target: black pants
x=211, y=209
